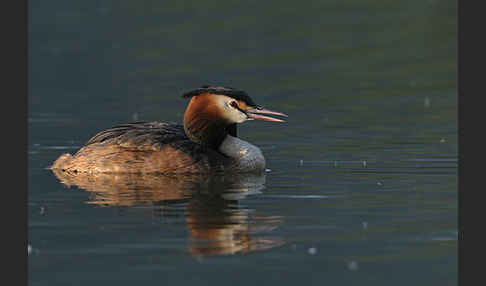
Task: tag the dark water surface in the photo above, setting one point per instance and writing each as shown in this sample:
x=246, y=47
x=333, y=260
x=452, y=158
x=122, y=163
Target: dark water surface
x=362, y=180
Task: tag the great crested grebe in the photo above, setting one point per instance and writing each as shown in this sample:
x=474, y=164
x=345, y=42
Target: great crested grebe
x=207, y=142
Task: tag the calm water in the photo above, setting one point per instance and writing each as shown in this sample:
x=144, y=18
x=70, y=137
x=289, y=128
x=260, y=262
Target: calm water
x=362, y=180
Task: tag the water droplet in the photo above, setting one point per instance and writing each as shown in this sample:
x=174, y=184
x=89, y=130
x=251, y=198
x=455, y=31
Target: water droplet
x=353, y=265
x=364, y=163
x=427, y=102
x=312, y=250
x=301, y=162
x=365, y=225
x=442, y=140
x=135, y=116
x=268, y=170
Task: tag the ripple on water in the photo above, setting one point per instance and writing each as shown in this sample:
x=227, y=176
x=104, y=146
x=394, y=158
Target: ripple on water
x=304, y=196
x=440, y=236
x=59, y=147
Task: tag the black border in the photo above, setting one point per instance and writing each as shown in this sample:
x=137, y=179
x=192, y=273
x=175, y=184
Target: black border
x=14, y=21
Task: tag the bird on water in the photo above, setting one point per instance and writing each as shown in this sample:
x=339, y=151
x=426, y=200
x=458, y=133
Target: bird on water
x=207, y=141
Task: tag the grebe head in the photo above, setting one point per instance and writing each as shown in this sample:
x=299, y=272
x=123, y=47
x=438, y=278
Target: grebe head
x=214, y=111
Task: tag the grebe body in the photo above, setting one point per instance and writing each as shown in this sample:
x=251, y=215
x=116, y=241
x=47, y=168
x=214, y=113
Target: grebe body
x=206, y=142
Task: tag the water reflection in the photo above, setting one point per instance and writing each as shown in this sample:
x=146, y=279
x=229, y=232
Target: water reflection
x=216, y=222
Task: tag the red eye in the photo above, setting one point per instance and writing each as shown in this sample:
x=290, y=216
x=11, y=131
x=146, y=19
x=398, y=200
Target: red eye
x=234, y=104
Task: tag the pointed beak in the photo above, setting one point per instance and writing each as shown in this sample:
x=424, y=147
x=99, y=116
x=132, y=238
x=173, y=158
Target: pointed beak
x=255, y=114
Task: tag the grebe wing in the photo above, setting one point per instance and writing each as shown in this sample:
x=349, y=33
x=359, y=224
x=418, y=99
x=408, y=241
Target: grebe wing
x=141, y=134
x=142, y=147
x=146, y=147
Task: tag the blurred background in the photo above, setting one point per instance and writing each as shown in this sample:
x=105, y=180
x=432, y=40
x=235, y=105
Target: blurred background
x=363, y=176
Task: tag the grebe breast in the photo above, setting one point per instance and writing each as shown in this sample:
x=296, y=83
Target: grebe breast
x=245, y=156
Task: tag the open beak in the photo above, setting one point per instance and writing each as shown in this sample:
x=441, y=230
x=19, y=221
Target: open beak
x=254, y=114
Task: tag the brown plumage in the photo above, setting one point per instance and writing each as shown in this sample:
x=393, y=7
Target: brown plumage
x=142, y=147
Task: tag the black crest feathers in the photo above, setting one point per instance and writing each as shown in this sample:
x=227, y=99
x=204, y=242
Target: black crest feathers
x=220, y=90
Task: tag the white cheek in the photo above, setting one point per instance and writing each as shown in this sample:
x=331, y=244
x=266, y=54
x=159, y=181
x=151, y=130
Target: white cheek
x=236, y=116
x=241, y=117
x=233, y=115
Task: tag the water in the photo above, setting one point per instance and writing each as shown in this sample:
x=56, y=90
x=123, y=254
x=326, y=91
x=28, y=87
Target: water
x=361, y=186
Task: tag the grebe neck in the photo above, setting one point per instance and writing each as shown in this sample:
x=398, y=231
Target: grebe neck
x=207, y=132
